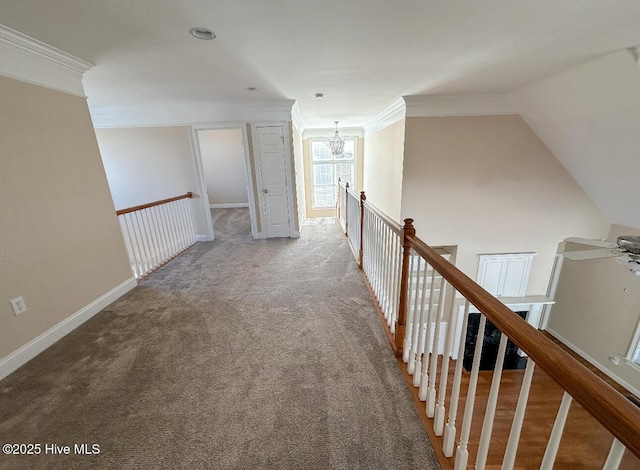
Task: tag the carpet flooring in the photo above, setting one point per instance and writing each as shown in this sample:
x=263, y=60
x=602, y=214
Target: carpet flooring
x=238, y=354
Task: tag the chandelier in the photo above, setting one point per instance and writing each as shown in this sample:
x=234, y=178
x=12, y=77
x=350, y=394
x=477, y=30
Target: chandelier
x=336, y=143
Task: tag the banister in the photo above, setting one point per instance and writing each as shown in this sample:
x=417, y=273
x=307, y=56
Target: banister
x=153, y=204
x=617, y=414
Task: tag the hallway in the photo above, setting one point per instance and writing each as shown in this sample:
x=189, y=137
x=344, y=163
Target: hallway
x=237, y=354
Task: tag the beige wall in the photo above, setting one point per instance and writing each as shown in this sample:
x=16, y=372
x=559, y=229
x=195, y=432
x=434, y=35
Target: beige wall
x=223, y=163
x=60, y=243
x=312, y=213
x=597, y=311
x=146, y=164
x=383, y=161
x=489, y=185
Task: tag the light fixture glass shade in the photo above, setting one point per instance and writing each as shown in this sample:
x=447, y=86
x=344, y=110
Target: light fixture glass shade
x=336, y=143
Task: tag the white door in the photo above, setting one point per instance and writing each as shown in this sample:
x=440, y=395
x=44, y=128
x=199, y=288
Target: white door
x=274, y=197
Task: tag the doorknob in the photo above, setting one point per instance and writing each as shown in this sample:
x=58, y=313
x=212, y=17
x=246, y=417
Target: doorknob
x=265, y=191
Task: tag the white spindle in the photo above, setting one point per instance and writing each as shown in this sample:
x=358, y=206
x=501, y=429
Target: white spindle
x=438, y=423
x=489, y=415
x=416, y=317
x=556, y=434
x=406, y=348
x=135, y=219
x=450, y=429
x=431, y=391
x=150, y=236
x=428, y=341
x=518, y=418
x=462, y=452
x=419, y=350
x=615, y=455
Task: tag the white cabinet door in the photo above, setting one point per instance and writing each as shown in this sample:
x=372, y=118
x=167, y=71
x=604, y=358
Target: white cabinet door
x=505, y=274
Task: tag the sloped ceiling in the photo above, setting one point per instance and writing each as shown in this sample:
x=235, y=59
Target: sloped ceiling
x=589, y=117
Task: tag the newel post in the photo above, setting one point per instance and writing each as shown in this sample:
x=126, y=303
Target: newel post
x=346, y=209
x=362, y=199
x=408, y=230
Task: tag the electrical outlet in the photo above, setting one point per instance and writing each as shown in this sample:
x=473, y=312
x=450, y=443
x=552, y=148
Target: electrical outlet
x=18, y=305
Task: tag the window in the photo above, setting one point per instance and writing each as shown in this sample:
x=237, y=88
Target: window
x=327, y=168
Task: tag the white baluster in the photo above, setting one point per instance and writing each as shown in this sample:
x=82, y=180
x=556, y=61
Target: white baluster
x=431, y=391
x=406, y=348
x=419, y=350
x=462, y=452
x=130, y=245
x=396, y=279
x=556, y=434
x=450, y=428
x=428, y=341
x=438, y=422
x=518, y=418
x=489, y=415
x=148, y=240
x=416, y=317
x=615, y=456
x=139, y=230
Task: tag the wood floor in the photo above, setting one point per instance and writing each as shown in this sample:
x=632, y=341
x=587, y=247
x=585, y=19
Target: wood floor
x=585, y=443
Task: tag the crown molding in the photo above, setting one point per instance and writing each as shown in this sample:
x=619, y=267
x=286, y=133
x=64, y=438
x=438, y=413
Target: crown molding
x=461, y=105
x=29, y=60
x=183, y=115
x=296, y=118
x=390, y=115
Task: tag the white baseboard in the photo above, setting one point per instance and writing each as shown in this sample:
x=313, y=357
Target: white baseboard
x=296, y=234
x=230, y=205
x=34, y=347
x=203, y=238
x=594, y=362
x=261, y=236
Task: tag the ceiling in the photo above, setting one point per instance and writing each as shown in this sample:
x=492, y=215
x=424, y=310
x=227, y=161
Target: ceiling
x=362, y=54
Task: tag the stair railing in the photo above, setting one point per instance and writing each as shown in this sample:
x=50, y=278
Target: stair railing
x=411, y=283
x=156, y=232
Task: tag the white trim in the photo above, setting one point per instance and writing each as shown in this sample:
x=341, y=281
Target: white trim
x=34, y=347
x=184, y=114
x=296, y=234
x=595, y=363
x=551, y=290
x=327, y=133
x=462, y=105
x=200, y=237
x=231, y=205
x=389, y=116
x=296, y=118
x=29, y=60
x=633, y=347
x=200, y=178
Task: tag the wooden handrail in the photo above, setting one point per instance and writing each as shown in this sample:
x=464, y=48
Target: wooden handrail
x=153, y=204
x=616, y=413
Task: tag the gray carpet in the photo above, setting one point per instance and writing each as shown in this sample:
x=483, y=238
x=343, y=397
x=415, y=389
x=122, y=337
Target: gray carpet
x=239, y=354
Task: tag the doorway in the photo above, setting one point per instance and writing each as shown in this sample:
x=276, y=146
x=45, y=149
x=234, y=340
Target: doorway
x=226, y=181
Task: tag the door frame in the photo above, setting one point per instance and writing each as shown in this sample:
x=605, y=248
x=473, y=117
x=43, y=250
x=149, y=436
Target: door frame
x=286, y=132
x=201, y=180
